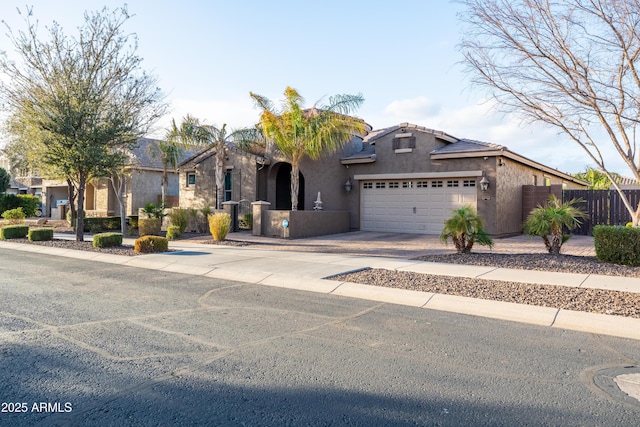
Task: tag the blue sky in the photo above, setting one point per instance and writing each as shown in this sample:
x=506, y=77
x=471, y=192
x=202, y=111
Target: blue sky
x=401, y=55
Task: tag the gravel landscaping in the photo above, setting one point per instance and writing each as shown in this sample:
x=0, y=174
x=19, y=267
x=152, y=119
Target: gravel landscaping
x=569, y=298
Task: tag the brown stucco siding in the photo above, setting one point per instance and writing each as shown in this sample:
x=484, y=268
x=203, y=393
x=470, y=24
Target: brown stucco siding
x=203, y=193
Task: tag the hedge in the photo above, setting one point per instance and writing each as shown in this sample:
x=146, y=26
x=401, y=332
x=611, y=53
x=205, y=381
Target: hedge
x=148, y=244
x=27, y=202
x=40, y=234
x=98, y=224
x=105, y=240
x=14, y=232
x=617, y=245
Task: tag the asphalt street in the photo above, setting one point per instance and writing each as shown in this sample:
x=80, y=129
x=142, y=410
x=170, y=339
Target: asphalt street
x=85, y=343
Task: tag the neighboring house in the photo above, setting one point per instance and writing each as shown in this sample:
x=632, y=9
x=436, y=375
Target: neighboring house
x=245, y=178
x=143, y=186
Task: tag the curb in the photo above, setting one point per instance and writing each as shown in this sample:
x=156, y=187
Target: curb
x=617, y=326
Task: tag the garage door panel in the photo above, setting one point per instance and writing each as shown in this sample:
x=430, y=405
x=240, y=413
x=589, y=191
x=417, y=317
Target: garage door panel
x=411, y=209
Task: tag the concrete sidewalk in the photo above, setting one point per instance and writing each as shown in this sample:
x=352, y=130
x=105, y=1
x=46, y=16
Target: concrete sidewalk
x=307, y=270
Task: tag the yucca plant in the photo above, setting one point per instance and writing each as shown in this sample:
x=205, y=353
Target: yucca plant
x=465, y=227
x=550, y=221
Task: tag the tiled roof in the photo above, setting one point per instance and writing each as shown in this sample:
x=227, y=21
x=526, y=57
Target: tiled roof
x=407, y=127
x=467, y=146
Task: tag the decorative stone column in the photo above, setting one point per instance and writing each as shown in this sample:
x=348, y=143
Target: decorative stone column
x=258, y=208
x=231, y=208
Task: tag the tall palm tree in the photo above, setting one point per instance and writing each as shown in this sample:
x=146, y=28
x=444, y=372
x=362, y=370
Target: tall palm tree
x=195, y=133
x=300, y=132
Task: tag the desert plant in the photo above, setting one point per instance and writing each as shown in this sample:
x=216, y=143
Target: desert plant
x=180, y=219
x=219, y=225
x=105, y=240
x=149, y=244
x=154, y=211
x=13, y=232
x=40, y=234
x=173, y=232
x=14, y=216
x=465, y=227
x=550, y=221
x=617, y=245
x=149, y=226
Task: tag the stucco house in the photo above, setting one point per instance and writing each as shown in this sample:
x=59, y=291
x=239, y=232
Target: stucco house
x=405, y=178
x=143, y=186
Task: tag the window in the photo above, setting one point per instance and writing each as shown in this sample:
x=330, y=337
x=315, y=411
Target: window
x=227, y=186
x=452, y=183
x=367, y=185
x=191, y=179
x=547, y=181
x=381, y=184
x=469, y=183
x=422, y=184
x=407, y=184
x=435, y=184
x=394, y=184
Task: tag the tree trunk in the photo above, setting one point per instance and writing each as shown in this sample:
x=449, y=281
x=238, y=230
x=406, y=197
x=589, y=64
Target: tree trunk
x=163, y=186
x=220, y=173
x=71, y=194
x=82, y=183
x=295, y=185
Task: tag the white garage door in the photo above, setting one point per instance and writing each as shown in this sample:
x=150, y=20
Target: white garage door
x=413, y=206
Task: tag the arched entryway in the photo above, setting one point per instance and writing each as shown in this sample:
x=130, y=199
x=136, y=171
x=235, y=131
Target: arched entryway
x=283, y=188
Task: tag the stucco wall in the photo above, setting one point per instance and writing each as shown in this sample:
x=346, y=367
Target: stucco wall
x=203, y=193
x=304, y=223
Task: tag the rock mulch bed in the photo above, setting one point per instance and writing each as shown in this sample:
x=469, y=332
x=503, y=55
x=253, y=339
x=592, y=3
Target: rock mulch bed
x=561, y=297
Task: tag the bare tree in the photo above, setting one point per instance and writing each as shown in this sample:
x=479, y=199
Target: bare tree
x=573, y=65
x=85, y=98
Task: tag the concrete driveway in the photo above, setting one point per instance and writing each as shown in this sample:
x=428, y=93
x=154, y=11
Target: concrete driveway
x=404, y=245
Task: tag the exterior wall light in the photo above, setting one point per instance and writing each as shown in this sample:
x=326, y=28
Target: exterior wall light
x=348, y=185
x=484, y=183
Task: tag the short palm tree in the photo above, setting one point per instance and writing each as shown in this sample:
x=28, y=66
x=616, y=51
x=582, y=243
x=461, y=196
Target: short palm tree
x=300, y=132
x=465, y=227
x=550, y=221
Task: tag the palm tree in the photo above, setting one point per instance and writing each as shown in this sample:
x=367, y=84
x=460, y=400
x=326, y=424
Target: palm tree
x=195, y=133
x=465, y=227
x=550, y=221
x=300, y=132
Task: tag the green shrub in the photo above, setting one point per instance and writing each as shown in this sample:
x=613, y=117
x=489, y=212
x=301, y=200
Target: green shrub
x=219, y=225
x=133, y=221
x=98, y=224
x=154, y=211
x=14, y=216
x=180, y=218
x=40, y=234
x=617, y=245
x=29, y=204
x=105, y=240
x=14, y=232
x=173, y=232
x=149, y=226
x=149, y=244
